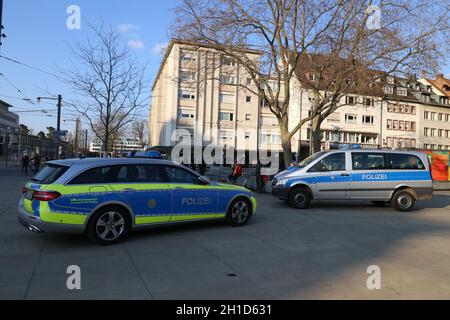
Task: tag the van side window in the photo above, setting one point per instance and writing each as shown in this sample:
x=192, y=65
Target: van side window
x=400, y=161
x=368, y=161
x=334, y=162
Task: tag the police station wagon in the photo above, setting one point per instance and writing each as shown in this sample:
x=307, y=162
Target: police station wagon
x=107, y=198
x=380, y=176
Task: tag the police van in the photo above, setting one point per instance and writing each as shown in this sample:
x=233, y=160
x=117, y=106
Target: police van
x=380, y=176
x=107, y=198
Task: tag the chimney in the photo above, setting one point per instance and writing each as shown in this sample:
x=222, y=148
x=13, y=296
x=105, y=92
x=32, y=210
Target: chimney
x=424, y=74
x=439, y=76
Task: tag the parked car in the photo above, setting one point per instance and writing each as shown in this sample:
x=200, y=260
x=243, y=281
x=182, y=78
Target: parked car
x=380, y=176
x=108, y=198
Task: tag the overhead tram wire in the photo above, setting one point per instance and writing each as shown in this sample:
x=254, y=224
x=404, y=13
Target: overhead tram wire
x=30, y=66
x=18, y=90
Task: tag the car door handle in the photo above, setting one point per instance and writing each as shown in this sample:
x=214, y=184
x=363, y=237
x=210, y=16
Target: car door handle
x=345, y=175
x=129, y=190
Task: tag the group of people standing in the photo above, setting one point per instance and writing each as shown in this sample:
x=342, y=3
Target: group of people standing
x=34, y=163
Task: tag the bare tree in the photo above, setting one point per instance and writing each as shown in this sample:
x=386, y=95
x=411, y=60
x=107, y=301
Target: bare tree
x=286, y=31
x=111, y=79
x=139, y=131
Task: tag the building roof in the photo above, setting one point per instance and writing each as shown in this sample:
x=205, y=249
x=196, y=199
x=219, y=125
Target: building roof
x=441, y=83
x=367, y=82
x=195, y=44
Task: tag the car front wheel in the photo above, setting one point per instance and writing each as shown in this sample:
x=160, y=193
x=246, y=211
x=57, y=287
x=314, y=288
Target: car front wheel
x=109, y=225
x=239, y=212
x=300, y=198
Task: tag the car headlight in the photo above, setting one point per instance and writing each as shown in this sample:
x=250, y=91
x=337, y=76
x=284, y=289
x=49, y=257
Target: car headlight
x=281, y=182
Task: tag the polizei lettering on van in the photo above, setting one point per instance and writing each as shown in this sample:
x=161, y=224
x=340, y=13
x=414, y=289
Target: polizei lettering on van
x=374, y=176
x=195, y=201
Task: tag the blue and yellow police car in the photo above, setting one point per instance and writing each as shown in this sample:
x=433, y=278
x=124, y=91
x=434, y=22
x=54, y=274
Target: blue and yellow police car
x=108, y=198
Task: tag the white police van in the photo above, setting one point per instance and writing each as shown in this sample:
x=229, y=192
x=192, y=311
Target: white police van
x=380, y=176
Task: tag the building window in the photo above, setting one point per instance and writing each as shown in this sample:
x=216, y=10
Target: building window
x=350, y=100
x=227, y=61
x=248, y=117
x=350, y=118
x=413, y=110
x=248, y=99
x=427, y=115
x=395, y=125
x=433, y=132
x=401, y=125
x=402, y=92
x=389, y=124
x=188, y=76
x=447, y=133
x=388, y=90
x=226, y=116
x=186, y=95
x=188, y=56
x=370, y=102
x=227, y=98
x=186, y=114
x=249, y=81
x=440, y=133
x=230, y=80
x=440, y=117
x=368, y=119
x=426, y=132
x=407, y=126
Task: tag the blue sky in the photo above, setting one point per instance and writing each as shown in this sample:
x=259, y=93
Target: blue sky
x=37, y=35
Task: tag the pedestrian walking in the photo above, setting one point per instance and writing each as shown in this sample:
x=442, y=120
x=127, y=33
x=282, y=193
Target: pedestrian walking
x=36, y=163
x=236, y=173
x=25, y=163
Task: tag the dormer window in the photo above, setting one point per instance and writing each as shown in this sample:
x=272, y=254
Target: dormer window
x=311, y=76
x=388, y=90
x=402, y=92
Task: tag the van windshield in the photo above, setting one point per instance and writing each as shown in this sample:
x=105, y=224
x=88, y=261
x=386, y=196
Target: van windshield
x=310, y=159
x=49, y=174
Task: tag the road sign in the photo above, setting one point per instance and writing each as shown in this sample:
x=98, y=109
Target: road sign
x=61, y=133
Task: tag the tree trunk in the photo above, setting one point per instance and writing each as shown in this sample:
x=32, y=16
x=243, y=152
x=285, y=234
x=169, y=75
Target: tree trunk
x=106, y=143
x=285, y=141
x=316, y=139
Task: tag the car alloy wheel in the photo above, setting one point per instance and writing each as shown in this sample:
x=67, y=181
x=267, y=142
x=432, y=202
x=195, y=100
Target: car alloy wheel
x=110, y=226
x=240, y=212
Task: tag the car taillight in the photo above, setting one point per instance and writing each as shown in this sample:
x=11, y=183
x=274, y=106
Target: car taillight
x=24, y=190
x=46, y=195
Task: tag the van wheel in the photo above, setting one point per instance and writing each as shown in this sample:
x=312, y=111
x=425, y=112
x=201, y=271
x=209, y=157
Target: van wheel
x=109, y=225
x=403, y=200
x=239, y=212
x=299, y=198
x=379, y=203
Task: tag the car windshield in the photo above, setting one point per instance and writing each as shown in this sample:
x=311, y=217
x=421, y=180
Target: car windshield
x=310, y=159
x=49, y=174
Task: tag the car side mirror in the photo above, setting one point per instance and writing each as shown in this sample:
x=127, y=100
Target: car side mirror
x=202, y=180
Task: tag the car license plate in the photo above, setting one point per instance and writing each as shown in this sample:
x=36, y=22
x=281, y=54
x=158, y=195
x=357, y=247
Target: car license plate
x=29, y=194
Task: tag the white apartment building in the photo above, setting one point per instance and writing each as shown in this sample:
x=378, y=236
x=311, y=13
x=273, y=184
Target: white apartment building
x=200, y=90
x=120, y=146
